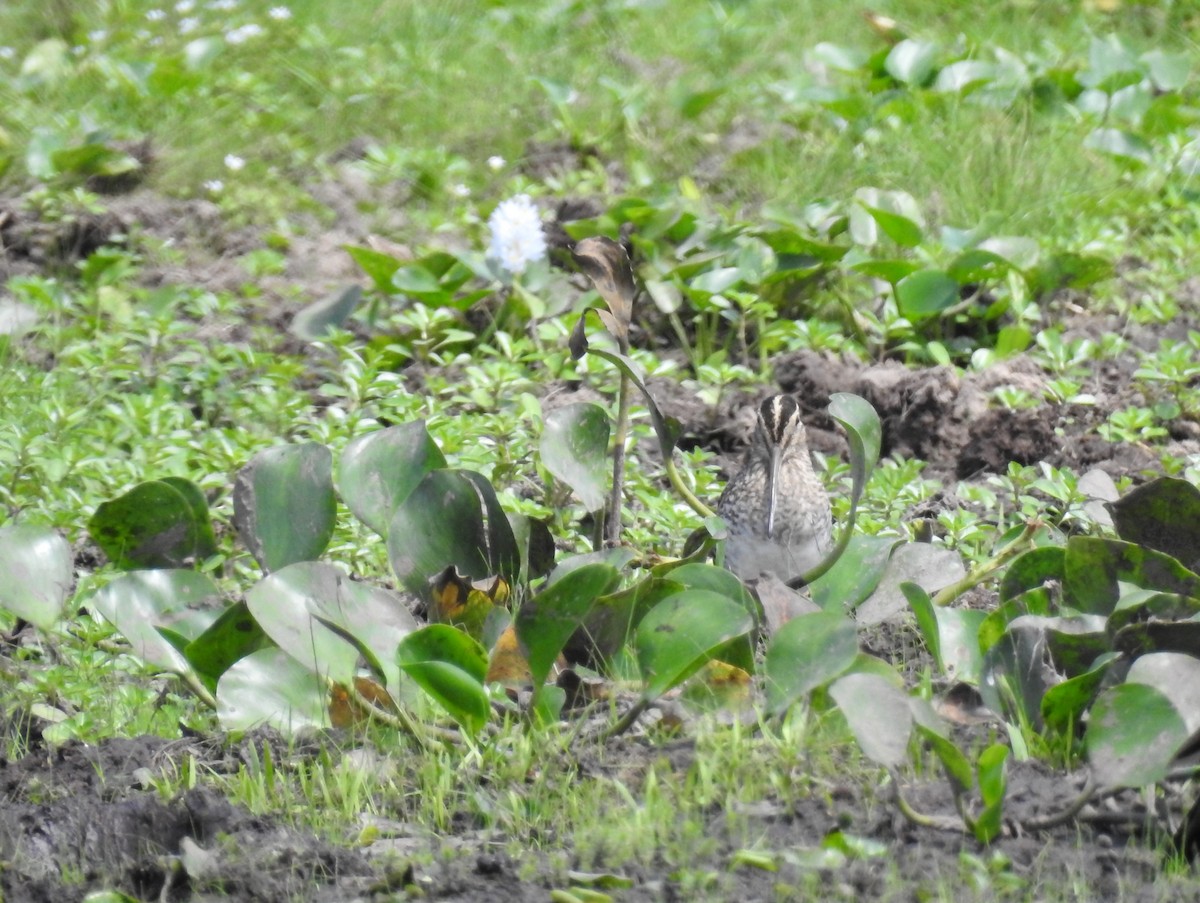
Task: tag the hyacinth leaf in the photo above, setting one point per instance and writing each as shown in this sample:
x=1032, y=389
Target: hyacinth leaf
x=36, y=572
x=547, y=621
x=855, y=574
x=574, y=448
x=864, y=434
x=1095, y=566
x=287, y=603
x=807, y=652
x=451, y=519
x=535, y=545
x=957, y=768
x=991, y=773
x=231, y=637
x=283, y=504
x=682, y=632
x=140, y=602
x=1032, y=570
x=158, y=524
x=451, y=667
x=878, y=715
x=1133, y=735
x=315, y=321
x=912, y=62
x=611, y=621
x=270, y=688
x=1064, y=704
x=1177, y=677
x=1163, y=515
x=378, y=266
x=926, y=293
x=379, y=470
x=606, y=263
x=951, y=634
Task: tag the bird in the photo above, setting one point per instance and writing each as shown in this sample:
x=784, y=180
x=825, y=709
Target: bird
x=776, y=509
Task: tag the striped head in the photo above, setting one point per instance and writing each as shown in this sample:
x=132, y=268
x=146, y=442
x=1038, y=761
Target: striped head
x=779, y=434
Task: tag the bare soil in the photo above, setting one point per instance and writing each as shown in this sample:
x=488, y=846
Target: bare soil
x=75, y=819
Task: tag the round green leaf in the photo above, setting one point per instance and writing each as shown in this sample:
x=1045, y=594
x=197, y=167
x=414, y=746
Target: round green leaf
x=574, y=447
x=681, y=633
x=1133, y=735
x=1063, y=705
x=36, y=571
x=314, y=322
x=451, y=518
x=546, y=622
x=232, y=636
x=286, y=605
x=272, y=688
x=925, y=294
x=378, y=471
x=1163, y=514
x=807, y=652
x=1122, y=145
x=1177, y=677
x=854, y=575
x=878, y=714
x=283, y=504
x=912, y=62
x=1031, y=570
x=450, y=666
x=139, y=602
x=1094, y=566
x=160, y=523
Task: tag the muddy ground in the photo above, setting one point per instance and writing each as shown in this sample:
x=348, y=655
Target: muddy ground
x=74, y=819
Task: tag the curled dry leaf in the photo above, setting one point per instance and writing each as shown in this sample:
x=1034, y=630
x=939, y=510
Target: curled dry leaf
x=607, y=265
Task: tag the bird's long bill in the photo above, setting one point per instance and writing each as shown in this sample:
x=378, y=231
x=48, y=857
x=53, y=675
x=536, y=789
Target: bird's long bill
x=773, y=490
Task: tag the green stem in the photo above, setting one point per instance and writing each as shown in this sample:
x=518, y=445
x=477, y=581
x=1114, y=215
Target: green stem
x=686, y=494
x=985, y=569
x=617, y=497
x=626, y=721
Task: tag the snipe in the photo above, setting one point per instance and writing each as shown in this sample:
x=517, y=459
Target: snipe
x=776, y=508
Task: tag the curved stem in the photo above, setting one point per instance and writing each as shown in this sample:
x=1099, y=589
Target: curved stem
x=626, y=721
x=985, y=569
x=616, y=499
x=1055, y=819
x=921, y=819
x=686, y=494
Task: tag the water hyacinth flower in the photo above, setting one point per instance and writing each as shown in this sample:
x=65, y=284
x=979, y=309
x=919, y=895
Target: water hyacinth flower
x=234, y=162
x=279, y=13
x=517, y=238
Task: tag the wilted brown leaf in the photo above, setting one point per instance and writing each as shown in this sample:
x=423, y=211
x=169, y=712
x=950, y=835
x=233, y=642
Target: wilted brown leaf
x=465, y=603
x=607, y=265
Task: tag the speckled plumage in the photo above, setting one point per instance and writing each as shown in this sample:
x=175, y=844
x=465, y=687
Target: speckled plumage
x=792, y=534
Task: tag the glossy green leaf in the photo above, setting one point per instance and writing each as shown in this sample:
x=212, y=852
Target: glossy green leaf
x=958, y=769
x=1033, y=569
x=379, y=470
x=1163, y=515
x=1037, y=601
x=160, y=523
x=285, y=604
x=900, y=229
x=993, y=785
x=1020, y=252
x=574, y=448
x=892, y=213
x=1147, y=605
x=1063, y=705
x=1177, y=677
x=878, y=715
x=1133, y=735
x=855, y=574
x=964, y=76
x=452, y=518
x=1094, y=566
x=1122, y=145
x=929, y=566
x=314, y=322
x=807, y=652
x=912, y=62
x=139, y=602
x=545, y=622
x=450, y=666
x=36, y=573
x=610, y=623
x=231, y=637
x=284, y=506
x=681, y=633
x=378, y=266
x=535, y=545
x=926, y=294
x=270, y=688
